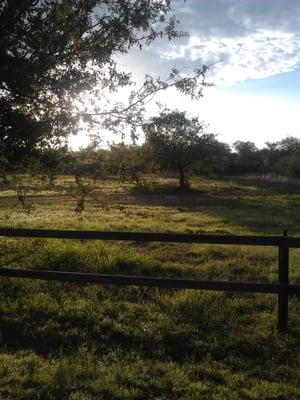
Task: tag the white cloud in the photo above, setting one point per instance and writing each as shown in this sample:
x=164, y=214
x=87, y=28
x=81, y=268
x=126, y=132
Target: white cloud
x=254, y=39
x=260, y=55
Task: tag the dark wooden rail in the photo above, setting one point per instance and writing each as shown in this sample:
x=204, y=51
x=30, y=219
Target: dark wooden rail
x=283, y=288
x=249, y=240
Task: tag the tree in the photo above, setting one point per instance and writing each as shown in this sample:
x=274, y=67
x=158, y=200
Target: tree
x=177, y=141
x=50, y=162
x=247, y=157
x=131, y=162
x=53, y=51
x=216, y=158
x=283, y=156
x=90, y=161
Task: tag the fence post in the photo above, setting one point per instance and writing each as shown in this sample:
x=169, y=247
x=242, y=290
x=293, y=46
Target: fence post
x=283, y=278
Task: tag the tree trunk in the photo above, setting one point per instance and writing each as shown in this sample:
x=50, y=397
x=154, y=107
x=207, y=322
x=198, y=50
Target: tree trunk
x=4, y=177
x=183, y=179
x=51, y=178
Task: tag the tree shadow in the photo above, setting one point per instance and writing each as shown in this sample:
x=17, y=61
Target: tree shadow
x=165, y=189
x=275, y=185
x=254, y=210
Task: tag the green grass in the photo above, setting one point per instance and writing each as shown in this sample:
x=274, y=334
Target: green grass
x=64, y=341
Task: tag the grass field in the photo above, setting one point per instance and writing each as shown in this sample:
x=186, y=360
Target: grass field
x=64, y=341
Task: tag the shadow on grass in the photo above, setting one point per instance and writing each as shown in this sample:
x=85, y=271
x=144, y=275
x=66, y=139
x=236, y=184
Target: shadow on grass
x=256, y=211
x=262, y=219
x=166, y=189
x=275, y=185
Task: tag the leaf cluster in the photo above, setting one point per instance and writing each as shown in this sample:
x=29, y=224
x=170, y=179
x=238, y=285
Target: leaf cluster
x=52, y=51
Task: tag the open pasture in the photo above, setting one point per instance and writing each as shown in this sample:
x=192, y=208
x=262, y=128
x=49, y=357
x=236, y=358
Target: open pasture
x=61, y=341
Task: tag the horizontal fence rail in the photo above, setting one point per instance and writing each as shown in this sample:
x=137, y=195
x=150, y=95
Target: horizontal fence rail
x=283, y=289
x=79, y=277
x=249, y=240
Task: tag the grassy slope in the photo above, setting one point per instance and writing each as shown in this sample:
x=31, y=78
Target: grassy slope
x=61, y=341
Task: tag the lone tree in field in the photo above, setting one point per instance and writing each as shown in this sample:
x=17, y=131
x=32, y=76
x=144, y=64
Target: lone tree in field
x=53, y=52
x=177, y=142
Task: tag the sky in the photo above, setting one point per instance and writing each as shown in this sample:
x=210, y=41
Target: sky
x=253, y=50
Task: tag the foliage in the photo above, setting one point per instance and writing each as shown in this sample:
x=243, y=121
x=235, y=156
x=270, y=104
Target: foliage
x=55, y=53
x=283, y=157
x=90, y=162
x=247, y=157
x=23, y=189
x=82, y=188
x=50, y=162
x=177, y=142
x=139, y=164
x=131, y=163
x=215, y=159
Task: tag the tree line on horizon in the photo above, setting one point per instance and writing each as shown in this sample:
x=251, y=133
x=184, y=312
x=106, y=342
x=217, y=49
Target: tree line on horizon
x=183, y=153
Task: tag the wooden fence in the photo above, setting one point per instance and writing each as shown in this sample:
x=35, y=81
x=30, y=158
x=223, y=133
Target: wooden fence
x=283, y=288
